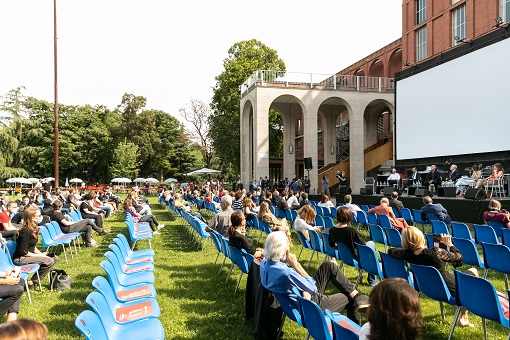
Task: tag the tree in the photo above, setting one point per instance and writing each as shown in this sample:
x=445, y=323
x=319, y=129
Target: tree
x=275, y=134
x=125, y=160
x=197, y=113
x=243, y=59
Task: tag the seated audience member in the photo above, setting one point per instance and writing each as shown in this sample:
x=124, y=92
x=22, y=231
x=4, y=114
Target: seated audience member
x=453, y=175
x=394, y=309
x=88, y=211
x=140, y=204
x=282, y=202
x=67, y=225
x=26, y=250
x=221, y=220
x=304, y=199
x=275, y=198
x=496, y=173
x=495, y=214
x=274, y=223
x=248, y=209
x=414, y=251
x=353, y=207
x=237, y=237
x=464, y=182
x=149, y=218
x=23, y=329
x=73, y=198
x=384, y=209
x=280, y=271
x=306, y=215
x=293, y=201
x=325, y=202
x=434, y=178
x=394, y=202
x=48, y=201
x=179, y=203
x=237, y=204
x=435, y=209
x=7, y=228
x=11, y=290
x=347, y=235
x=394, y=177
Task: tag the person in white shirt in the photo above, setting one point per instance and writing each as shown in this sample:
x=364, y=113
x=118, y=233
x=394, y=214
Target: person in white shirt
x=306, y=215
x=394, y=178
x=293, y=201
x=354, y=207
x=325, y=202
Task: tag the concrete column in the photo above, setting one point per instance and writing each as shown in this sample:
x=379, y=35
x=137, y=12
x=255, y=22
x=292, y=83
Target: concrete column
x=289, y=138
x=246, y=142
x=261, y=139
x=356, y=146
x=310, y=142
x=329, y=132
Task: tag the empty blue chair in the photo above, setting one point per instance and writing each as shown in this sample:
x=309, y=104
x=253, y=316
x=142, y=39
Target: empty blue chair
x=124, y=294
x=89, y=324
x=497, y=258
x=348, y=259
x=396, y=212
x=362, y=219
x=127, y=279
x=364, y=207
x=372, y=218
x=343, y=327
x=485, y=233
x=48, y=241
x=319, y=221
x=305, y=244
x=407, y=215
x=328, y=222
x=384, y=221
x=313, y=319
x=469, y=252
x=439, y=227
x=368, y=261
x=393, y=237
x=417, y=219
x=332, y=212
x=127, y=268
x=498, y=227
x=316, y=243
x=461, y=230
x=465, y=285
x=125, y=285
x=392, y=267
x=377, y=234
x=238, y=258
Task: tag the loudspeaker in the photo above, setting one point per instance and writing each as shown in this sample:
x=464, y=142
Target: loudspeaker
x=422, y=192
x=474, y=193
x=447, y=191
x=387, y=191
x=308, y=163
x=366, y=191
x=344, y=190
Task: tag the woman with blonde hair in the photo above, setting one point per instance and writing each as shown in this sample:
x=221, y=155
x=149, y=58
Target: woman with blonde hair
x=306, y=216
x=248, y=210
x=385, y=209
x=267, y=216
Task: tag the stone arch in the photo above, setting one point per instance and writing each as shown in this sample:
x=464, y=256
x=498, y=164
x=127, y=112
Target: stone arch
x=376, y=69
x=247, y=140
x=395, y=63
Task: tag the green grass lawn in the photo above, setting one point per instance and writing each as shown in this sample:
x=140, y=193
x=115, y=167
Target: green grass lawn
x=195, y=301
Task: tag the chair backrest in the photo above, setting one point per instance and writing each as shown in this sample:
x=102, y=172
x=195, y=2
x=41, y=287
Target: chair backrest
x=237, y=257
x=289, y=308
x=393, y=237
x=302, y=239
x=332, y=212
x=505, y=233
x=469, y=252
x=89, y=324
x=496, y=257
x=134, y=292
x=328, y=222
x=498, y=227
x=417, y=216
x=11, y=247
x=367, y=260
x=287, y=213
x=432, y=217
x=216, y=242
x=466, y=284
x=485, y=233
x=314, y=320
x=343, y=327
x=431, y=283
x=439, y=227
x=396, y=212
x=461, y=230
x=293, y=215
x=319, y=221
x=256, y=222
x=362, y=217
x=407, y=215
x=384, y=221
x=316, y=241
x=372, y=218
x=74, y=216
x=392, y=267
x=346, y=255
x=430, y=240
x=224, y=247
x=364, y=207
x=377, y=234
x=327, y=248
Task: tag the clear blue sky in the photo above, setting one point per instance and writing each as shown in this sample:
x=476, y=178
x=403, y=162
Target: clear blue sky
x=170, y=51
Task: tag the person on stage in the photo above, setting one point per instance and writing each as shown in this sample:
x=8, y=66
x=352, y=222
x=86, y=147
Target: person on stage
x=453, y=175
x=434, y=178
x=394, y=177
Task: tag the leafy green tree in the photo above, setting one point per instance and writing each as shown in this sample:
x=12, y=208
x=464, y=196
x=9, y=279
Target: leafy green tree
x=125, y=160
x=275, y=134
x=243, y=59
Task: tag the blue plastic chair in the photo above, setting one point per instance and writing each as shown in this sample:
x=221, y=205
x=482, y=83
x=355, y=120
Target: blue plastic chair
x=497, y=258
x=217, y=245
x=348, y=259
x=432, y=217
x=490, y=309
x=392, y=267
x=396, y=212
x=27, y=269
x=48, y=242
x=150, y=328
x=225, y=250
x=127, y=268
x=316, y=243
x=368, y=261
x=485, y=233
x=407, y=215
x=124, y=294
x=377, y=235
x=362, y=219
x=364, y=207
x=418, y=220
x=343, y=327
x=125, y=285
x=498, y=227
x=328, y=222
x=305, y=244
x=505, y=239
x=469, y=252
x=332, y=212
x=333, y=253
x=313, y=319
x=439, y=227
x=6, y=265
x=126, y=279
x=393, y=237
x=432, y=284
x=461, y=230
x=384, y=221
x=372, y=218
x=238, y=258
x=89, y=324
x=290, y=310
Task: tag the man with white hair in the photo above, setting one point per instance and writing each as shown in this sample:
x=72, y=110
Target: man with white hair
x=454, y=174
x=280, y=272
x=221, y=221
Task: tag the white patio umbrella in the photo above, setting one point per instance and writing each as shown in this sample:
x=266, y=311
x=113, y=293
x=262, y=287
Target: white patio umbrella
x=152, y=180
x=67, y=182
x=33, y=180
x=75, y=180
x=121, y=180
x=205, y=171
x=24, y=181
x=49, y=179
x=190, y=173
x=13, y=180
x=139, y=180
x=170, y=180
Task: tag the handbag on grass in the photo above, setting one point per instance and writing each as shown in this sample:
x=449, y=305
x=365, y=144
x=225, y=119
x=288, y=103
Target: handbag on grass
x=59, y=280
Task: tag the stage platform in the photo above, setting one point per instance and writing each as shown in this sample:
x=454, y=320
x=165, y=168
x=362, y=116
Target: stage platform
x=459, y=208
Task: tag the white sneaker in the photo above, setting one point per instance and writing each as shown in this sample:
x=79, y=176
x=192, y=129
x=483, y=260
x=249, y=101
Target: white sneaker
x=155, y=232
x=161, y=226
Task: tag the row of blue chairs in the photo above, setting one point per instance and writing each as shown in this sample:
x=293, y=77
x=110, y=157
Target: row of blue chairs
x=138, y=231
x=197, y=227
x=124, y=305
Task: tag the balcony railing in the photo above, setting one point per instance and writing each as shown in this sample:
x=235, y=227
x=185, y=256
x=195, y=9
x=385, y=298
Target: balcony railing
x=313, y=80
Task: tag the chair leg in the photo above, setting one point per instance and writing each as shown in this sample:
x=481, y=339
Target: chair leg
x=65, y=255
x=441, y=307
x=311, y=257
x=238, y=282
x=133, y=245
x=358, y=279
x=281, y=327
x=230, y=271
x=506, y=282
x=39, y=280
x=28, y=292
x=486, y=273
x=484, y=323
x=300, y=253
x=455, y=319
x=222, y=264
x=216, y=258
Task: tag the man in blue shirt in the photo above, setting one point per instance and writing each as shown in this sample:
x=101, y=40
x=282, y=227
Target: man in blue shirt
x=280, y=271
x=434, y=209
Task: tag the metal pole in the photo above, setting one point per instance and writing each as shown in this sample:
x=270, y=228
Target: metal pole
x=56, y=90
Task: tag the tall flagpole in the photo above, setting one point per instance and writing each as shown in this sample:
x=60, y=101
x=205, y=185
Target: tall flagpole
x=55, y=89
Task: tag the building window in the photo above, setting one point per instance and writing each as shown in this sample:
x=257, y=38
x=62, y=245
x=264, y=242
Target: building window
x=459, y=24
x=421, y=11
x=319, y=139
x=421, y=44
x=505, y=10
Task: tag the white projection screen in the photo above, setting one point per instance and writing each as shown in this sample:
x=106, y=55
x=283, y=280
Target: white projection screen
x=460, y=107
